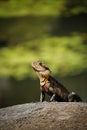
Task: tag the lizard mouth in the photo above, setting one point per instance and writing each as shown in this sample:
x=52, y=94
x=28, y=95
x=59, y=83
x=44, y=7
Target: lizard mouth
x=36, y=69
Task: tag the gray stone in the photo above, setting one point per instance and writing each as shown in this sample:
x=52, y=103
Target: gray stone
x=45, y=116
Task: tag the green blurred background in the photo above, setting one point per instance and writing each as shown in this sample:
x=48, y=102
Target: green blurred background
x=53, y=31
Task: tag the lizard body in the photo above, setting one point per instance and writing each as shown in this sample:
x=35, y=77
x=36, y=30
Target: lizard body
x=51, y=86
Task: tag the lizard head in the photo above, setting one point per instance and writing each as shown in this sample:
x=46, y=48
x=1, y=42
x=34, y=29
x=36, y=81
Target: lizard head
x=41, y=70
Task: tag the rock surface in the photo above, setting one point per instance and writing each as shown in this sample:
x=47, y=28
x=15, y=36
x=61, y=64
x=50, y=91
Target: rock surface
x=45, y=116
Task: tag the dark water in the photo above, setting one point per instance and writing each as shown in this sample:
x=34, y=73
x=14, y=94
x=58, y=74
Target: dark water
x=17, y=92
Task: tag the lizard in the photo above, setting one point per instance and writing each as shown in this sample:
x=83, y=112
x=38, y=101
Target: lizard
x=51, y=86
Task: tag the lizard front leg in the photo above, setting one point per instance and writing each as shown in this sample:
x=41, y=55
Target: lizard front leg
x=42, y=96
x=53, y=97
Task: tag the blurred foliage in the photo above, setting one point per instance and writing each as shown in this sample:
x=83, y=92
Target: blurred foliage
x=41, y=7
x=30, y=31
x=32, y=7
x=67, y=58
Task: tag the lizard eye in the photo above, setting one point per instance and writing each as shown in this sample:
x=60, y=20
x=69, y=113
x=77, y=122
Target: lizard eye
x=43, y=65
x=40, y=63
x=46, y=68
